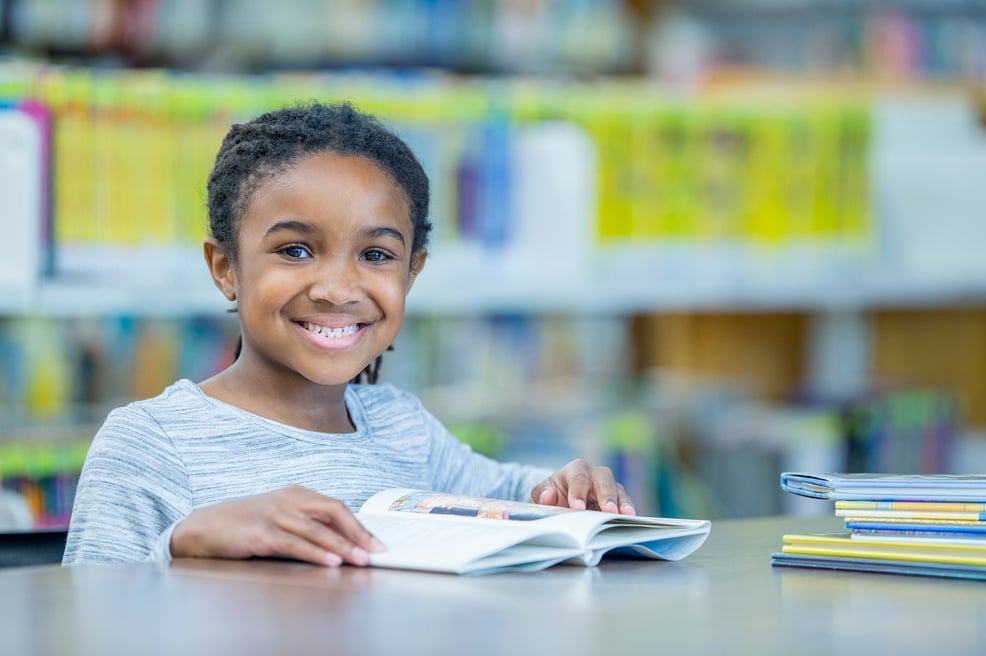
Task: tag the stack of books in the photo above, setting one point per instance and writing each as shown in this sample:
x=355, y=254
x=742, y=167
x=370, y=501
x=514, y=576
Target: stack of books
x=929, y=525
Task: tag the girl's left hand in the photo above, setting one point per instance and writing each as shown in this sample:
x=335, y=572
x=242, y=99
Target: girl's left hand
x=582, y=487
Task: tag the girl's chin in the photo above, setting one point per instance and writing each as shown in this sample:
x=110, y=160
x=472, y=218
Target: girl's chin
x=330, y=381
x=334, y=379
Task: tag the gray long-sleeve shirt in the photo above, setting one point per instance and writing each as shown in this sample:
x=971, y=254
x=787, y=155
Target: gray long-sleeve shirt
x=153, y=462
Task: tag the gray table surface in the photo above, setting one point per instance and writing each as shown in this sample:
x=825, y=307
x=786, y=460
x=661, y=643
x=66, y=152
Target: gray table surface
x=723, y=599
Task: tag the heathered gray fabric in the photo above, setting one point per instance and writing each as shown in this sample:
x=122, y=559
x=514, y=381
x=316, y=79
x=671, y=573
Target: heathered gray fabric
x=155, y=461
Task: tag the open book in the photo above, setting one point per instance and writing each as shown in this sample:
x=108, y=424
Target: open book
x=472, y=535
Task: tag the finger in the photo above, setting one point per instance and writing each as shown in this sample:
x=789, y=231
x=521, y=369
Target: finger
x=337, y=515
x=604, y=490
x=326, y=537
x=626, y=505
x=545, y=493
x=287, y=543
x=578, y=480
x=333, y=512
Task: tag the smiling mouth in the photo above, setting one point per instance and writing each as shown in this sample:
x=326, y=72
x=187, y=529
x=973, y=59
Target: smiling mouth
x=332, y=333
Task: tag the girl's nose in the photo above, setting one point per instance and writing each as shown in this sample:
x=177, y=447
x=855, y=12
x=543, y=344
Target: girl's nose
x=336, y=281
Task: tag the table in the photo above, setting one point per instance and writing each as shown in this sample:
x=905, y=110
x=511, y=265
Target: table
x=723, y=599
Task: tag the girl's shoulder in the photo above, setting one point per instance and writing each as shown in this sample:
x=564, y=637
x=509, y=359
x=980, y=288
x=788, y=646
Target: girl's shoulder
x=180, y=398
x=181, y=393
x=147, y=425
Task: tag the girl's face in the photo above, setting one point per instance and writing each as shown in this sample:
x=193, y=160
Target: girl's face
x=323, y=269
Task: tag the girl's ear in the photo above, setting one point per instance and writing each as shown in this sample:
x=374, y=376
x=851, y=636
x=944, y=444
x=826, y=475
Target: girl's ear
x=417, y=263
x=221, y=267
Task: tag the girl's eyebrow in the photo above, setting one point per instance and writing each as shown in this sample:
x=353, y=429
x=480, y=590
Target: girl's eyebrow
x=384, y=231
x=293, y=226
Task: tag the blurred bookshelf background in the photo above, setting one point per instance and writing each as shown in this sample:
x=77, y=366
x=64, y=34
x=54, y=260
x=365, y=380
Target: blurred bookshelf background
x=702, y=242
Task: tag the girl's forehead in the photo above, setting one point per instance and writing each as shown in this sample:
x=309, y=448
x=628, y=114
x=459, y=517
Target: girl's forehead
x=332, y=165
x=330, y=180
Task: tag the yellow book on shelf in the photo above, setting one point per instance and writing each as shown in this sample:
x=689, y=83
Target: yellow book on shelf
x=646, y=188
x=767, y=220
x=149, y=158
x=827, y=188
x=681, y=203
x=73, y=194
x=721, y=153
x=855, y=210
x=615, y=218
x=801, y=174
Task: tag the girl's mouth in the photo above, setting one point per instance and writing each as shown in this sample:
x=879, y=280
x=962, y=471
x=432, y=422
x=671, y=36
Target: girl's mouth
x=332, y=333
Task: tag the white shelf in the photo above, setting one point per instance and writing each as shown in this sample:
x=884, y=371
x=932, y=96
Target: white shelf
x=60, y=298
x=636, y=280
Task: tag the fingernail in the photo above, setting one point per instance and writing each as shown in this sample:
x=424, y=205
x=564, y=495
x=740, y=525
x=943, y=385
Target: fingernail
x=377, y=545
x=544, y=496
x=333, y=559
x=610, y=506
x=578, y=504
x=359, y=556
x=628, y=509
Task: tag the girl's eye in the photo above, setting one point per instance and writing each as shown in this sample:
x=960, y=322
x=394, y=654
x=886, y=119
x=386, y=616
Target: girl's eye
x=376, y=255
x=295, y=252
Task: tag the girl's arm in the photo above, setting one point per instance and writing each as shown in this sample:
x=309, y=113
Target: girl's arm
x=132, y=488
x=134, y=503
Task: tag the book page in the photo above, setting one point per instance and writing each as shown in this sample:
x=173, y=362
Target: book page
x=452, y=544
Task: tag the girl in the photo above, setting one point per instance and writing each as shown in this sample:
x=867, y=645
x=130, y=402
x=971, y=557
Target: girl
x=318, y=218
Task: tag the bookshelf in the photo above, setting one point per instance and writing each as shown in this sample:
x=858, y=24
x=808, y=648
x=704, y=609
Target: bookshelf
x=638, y=223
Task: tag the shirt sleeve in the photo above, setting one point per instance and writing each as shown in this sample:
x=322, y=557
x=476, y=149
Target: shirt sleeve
x=460, y=470
x=132, y=490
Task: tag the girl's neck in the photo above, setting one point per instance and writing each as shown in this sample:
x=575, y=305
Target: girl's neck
x=293, y=401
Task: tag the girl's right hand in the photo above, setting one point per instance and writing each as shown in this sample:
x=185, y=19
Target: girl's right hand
x=294, y=522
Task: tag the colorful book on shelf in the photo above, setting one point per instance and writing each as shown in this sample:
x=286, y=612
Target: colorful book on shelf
x=887, y=487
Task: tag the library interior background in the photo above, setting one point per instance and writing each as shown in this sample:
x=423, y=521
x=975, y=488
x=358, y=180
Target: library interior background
x=702, y=242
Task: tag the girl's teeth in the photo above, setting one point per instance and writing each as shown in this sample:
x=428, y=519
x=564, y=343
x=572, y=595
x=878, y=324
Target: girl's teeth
x=325, y=331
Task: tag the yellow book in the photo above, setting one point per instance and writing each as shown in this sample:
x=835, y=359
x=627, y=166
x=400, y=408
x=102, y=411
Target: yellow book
x=882, y=510
x=902, y=549
x=615, y=218
x=932, y=506
x=766, y=220
x=909, y=514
